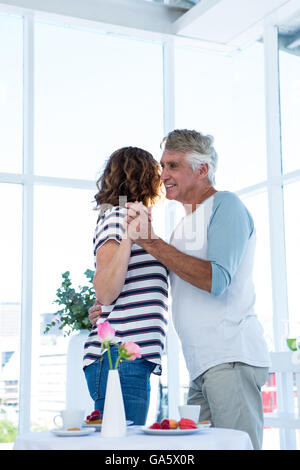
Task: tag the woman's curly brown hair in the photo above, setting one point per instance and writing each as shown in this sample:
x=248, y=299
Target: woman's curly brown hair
x=131, y=174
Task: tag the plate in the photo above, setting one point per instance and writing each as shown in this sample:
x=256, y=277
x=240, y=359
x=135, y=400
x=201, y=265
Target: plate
x=80, y=432
x=174, y=432
x=98, y=426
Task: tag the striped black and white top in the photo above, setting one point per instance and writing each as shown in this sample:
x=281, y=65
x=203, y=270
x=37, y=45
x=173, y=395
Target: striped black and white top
x=139, y=312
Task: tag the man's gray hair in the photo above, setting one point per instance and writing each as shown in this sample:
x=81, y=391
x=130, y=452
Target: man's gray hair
x=198, y=147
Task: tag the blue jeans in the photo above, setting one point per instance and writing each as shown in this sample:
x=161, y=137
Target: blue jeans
x=135, y=384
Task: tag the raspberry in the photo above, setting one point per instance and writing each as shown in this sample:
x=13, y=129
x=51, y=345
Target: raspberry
x=165, y=424
x=94, y=418
x=95, y=415
x=164, y=421
x=155, y=426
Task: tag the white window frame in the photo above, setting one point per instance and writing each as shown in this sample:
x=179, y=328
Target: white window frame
x=275, y=184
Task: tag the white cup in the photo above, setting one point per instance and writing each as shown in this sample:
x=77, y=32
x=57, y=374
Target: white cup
x=70, y=419
x=190, y=412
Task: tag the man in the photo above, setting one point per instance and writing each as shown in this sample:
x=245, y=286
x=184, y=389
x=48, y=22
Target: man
x=210, y=261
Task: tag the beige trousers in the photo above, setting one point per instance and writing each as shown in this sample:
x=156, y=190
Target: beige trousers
x=230, y=397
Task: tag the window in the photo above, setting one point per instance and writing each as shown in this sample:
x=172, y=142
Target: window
x=94, y=93
x=289, y=66
x=203, y=101
x=10, y=304
x=289, y=69
x=224, y=96
x=64, y=222
x=292, y=237
x=257, y=205
x=11, y=78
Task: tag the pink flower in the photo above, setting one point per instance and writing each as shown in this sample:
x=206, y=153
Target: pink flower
x=130, y=350
x=105, y=332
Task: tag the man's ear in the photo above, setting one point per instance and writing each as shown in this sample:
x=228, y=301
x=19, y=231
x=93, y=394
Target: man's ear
x=203, y=170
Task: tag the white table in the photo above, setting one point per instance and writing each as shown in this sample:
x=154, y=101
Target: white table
x=135, y=439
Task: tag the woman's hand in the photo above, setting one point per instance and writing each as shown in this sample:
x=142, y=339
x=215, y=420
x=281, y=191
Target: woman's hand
x=138, y=223
x=131, y=222
x=95, y=312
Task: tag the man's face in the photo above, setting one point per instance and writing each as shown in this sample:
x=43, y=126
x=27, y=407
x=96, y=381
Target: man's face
x=178, y=177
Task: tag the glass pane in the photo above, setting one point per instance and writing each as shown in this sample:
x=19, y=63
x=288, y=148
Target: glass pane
x=94, y=93
x=257, y=205
x=289, y=67
x=224, y=97
x=10, y=308
x=64, y=228
x=292, y=236
x=11, y=104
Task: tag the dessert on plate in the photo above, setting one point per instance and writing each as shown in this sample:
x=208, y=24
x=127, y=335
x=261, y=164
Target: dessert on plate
x=94, y=418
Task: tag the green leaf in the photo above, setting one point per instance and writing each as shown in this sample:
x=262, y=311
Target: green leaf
x=75, y=305
x=291, y=342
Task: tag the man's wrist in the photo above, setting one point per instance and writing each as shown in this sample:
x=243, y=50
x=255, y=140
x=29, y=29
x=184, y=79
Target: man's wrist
x=150, y=243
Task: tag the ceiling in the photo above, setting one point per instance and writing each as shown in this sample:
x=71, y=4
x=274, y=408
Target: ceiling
x=235, y=22
x=220, y=24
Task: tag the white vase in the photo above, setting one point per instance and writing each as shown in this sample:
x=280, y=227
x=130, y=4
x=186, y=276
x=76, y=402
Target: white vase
x=77, y=393
x=114, y=420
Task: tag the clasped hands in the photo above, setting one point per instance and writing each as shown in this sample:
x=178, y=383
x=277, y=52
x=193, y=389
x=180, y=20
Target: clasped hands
x=137, y=223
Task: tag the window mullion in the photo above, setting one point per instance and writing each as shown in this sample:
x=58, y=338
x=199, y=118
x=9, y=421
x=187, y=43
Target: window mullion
x=169, y=123
x=275, y=189
x=27, y=251
x=276, y=215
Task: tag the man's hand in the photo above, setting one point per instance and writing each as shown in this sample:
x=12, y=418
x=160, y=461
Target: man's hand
x=134, y=211
x=138, y=223
x=95, y=312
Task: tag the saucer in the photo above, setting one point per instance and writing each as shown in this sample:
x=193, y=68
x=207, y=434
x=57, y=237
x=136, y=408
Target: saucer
x=80, y=432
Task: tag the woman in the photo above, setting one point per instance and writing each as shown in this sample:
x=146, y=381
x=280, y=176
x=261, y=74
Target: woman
x=130, y=284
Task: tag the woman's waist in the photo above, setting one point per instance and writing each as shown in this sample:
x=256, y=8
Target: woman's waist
x=130, y=318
